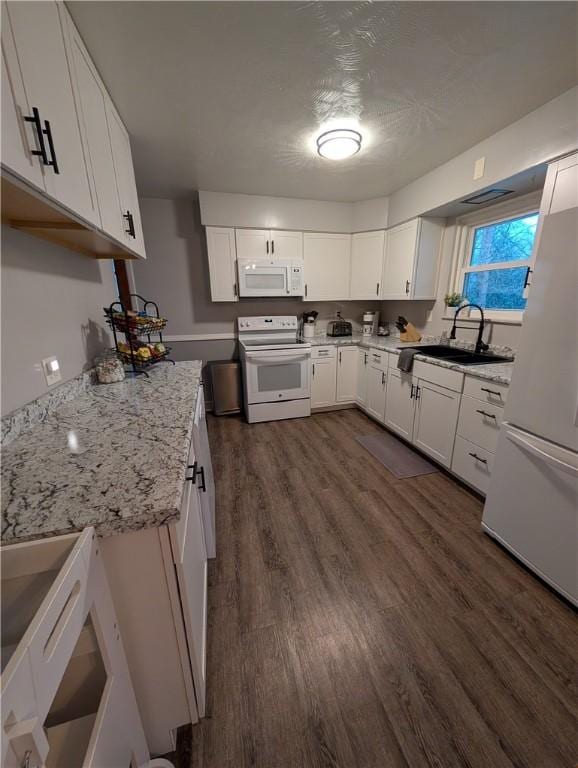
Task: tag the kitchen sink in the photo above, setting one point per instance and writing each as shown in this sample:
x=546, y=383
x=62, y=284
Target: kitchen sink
x=460, y=356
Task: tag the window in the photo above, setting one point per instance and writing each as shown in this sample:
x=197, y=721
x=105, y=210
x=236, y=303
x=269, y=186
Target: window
x=498, y=259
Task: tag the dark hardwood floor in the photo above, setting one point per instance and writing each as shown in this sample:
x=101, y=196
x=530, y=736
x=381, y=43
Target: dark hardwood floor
x=360, y=621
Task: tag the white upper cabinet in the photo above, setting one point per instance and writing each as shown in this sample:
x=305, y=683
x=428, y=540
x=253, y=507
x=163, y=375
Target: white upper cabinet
x=125, y=181
x=222, y=263
x=47, y=104
x=327, y=265
x=411, y=260
x=92, y=100
x=268, y=243
x=366, y=264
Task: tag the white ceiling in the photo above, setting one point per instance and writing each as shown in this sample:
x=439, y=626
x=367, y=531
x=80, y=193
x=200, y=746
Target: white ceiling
x=226, y=96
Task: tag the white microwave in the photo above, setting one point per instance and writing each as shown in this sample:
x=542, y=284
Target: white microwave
x=268, y=277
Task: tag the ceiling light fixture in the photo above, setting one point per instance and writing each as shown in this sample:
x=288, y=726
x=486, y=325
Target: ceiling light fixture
x=339, y=143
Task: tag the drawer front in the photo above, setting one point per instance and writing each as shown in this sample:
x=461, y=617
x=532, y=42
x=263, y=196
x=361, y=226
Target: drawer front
x=318, y=353
x=379, y=359
x=475, y=470
x=480, y=423
x=486, y=391
x=435, y=374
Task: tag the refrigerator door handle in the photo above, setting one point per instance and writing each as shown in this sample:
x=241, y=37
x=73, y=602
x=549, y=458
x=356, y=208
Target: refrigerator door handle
x=526, y=445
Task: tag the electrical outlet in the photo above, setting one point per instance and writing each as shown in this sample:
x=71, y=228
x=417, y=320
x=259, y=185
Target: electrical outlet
x=51, y=369
x=479, y=168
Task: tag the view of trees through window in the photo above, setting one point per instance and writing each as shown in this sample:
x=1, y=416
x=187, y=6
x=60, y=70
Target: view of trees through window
x=503, y=243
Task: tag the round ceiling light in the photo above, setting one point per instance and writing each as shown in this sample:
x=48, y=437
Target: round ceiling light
x=339, y=143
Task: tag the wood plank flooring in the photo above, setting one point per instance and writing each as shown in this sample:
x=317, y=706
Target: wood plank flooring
x=360, y=621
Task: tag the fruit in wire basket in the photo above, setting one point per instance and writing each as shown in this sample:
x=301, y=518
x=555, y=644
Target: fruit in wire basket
x=143, y=354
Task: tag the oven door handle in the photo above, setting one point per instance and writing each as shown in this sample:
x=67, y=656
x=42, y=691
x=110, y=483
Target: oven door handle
x=251, y=358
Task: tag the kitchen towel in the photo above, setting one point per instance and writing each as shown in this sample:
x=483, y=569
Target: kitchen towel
x=405, y=359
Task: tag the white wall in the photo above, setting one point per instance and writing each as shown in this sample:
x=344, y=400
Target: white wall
x=52, y=304
x=370, y=214
x=548, y=132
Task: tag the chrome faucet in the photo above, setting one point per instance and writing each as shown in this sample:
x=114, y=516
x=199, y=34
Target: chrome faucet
x=481, y=346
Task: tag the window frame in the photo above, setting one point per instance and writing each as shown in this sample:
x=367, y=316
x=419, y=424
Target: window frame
x=466, y=227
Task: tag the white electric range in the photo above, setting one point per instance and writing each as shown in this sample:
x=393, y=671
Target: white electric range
x=275, y=366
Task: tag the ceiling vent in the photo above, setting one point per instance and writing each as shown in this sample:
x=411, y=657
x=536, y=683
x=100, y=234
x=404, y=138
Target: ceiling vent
x=487, y=197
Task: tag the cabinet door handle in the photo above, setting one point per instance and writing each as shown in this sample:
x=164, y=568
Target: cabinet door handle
x=313, y=372
x=407, y=287
x=417, y=392
x=130, y=221
x=529, y=271
x=377, y=290
x=48, y=133
x=477, y=458
x=383, y=378
x=340, y=357
x=365, y=358
x=491, y=392
x=272, y=246
x=485, y=413
x=411, y=393
x=267, y=246
x=34, y=118
x=305, y=290
x=235, y=289
x=200, y=472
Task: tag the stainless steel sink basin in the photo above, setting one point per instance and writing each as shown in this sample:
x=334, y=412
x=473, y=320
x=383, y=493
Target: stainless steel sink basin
x=460, y=356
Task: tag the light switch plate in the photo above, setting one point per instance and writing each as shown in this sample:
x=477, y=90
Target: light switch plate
x=51, y=369
x=479, y=168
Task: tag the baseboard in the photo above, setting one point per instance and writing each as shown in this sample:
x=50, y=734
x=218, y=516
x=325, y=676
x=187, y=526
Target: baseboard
x=336, y=407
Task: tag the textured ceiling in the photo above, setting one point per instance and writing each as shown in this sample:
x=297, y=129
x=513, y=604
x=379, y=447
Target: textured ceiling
x=226, y=96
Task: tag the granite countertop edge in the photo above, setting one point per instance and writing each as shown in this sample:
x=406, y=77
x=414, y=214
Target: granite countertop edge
x=500, y=373
x=50, y=490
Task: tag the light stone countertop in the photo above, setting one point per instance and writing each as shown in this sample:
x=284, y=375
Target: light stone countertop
x=127, y=471
x=501, y=373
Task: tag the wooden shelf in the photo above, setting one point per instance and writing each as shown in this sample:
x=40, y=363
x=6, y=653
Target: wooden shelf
x=29, y=211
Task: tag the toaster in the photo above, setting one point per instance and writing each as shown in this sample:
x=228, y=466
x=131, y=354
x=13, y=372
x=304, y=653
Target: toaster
x=339, y=328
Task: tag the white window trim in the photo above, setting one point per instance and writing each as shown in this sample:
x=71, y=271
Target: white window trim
x=465, y=227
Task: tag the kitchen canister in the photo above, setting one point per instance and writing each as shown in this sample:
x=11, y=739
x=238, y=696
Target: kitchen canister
x=109, y=368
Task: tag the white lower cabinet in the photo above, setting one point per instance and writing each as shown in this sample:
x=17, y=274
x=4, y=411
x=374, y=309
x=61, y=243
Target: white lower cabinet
x=346, y=390
x=435, y=422
x=400, y=404
x=324, y=380
x=376, y=389
x=362, y=372
x=473, y=464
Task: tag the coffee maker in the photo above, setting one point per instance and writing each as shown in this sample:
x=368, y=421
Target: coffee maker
x=370, y=323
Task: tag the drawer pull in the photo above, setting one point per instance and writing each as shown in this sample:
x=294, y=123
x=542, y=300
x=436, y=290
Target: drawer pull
x=485, y=413
x=477, y=458
x=491, y=391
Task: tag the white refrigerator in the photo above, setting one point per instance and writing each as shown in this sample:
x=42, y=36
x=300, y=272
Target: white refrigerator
x=532, y=502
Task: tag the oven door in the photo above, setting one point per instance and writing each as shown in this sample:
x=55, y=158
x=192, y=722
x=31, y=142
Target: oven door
x=263, y=280
x=277, y=375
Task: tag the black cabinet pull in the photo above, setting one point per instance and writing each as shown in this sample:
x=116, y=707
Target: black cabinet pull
x=477, y=458
x=407, y=287
x=306, y=289
x=201, y=472
x=383, y=379
x=130, y=221
x=485, y=413
x=365, y=358
x=267, y=246
x=417, y=392
x=34, y=118
x=339, y=357
x=234, y=289
x=377, y=290
x=527, y=278
x=272, y=246
x=48, y=134
x=411, y=393
x=313, y=372
x=491, y=391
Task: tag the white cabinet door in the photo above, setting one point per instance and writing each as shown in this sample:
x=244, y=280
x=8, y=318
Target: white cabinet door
x=366, y=264
x=190, y=558
x=376, y=392
x=347, y=374
x=362, y=370
x=206, y=481
x=18, y=136
x=222, y=263
x=125, y=181
x=436, y=419
x=253, y=243
x=327, y=261
x=400, y=404
x=39, y=41
x=286, y=245
x=400, y=250
x=323, y=382
x=92, y=100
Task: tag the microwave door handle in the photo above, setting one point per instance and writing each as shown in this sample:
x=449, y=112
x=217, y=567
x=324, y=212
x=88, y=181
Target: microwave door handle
x=288, y=279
